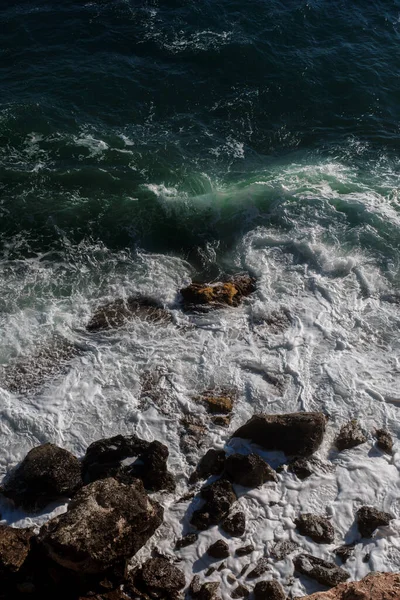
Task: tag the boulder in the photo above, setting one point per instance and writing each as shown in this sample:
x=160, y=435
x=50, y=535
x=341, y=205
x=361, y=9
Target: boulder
x=384, y=440
x=147, y=461
x=118, y=312
x=158, y=578
x=235, y=524
x=206, y=296
x=350, y=435
x=249, y=470
x=47, y=473
x=15, y=545
x=375, y=586
x=218, y=550
x=269, y=590
x=318, y=528
x=370, y=518
x=219, y=497
x=327, y=573
x=295, y=434
x=106, y=522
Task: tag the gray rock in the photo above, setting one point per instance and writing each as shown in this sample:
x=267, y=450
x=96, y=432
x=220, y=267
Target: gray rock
x=249, y=470
x=370, y=518
x=318, y=528
x=269, y=590
x=283, y=548
x=327, y=573
x=350, y=435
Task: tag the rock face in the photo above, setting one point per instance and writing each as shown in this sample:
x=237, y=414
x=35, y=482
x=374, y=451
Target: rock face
x=350, y=436
x=318, y=528
x=249, y=470
x=206, y=296
x=235, y=524
x=219, y=497
x=375, y=586
x=327, y=573
x=370, y=518
x=15, y=545
x=269, y=590
x=158, y=579
x=117, y=313
x=47, y=473
x=148, y=462
x=296, y=433
x=384, y=441
x=106, y=522
x=219, y=549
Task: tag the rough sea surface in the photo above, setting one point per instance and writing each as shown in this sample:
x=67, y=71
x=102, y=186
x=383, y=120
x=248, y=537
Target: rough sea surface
x=147, y=143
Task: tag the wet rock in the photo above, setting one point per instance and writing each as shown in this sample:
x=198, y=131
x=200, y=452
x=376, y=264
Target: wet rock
x=205, y=591
x=217, y=402
x=240, y=592
x=318, y=528
x=210, y=571
x=301, y=467
x=249, y=470
x=221, y=420
x=47, y=473
x=15, y=545
x=261, y=567
x=350, y=435
x=195, y=586
x=191, y=437
x=187, y=540
x=158, y=579
x=370, y=518
x=269, y=590
x=244, y=569
x=212, y=463
x=327, y=573
x=375, y=586
x=219, y=549
x=384, y=440
x=231, y=578
x=294, y=434
x=206, y=296
x=106, y=522
x=283, y=548
x=345, y=552
x=118, y=312
x=244, y=550
x=221, y=567
x=235, y=524
x=219, y=497
x=147, y=461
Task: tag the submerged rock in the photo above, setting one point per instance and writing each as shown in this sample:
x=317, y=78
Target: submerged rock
x=235, y=524
x=218, y=549
x=158, y=579
x=105, y=523
x=296, y=433
x=375, y=586
x=147, y=461
x=191, y=436
x=384, y=440
x=327, y=573
x=47, y=473
x=118, y=312
x=205, y=296
x=350, y=435
x=269, y=590
x=318, y=528
x=219, y=497
x=249, y=470
x=370, y=518
x=15, y=545
x=217, y=403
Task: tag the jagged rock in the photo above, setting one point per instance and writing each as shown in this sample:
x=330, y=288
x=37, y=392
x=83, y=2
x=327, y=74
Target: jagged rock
x=375, y=586
x=350, y=435
x=318, y=528
x=187, y=540
x=205, y=591
x=235, y=524
x=384, y=440
x=249, y=470
x=370, y=518
x=106, y=522
x=283, y=548
x=296, y=433
x=345, y=552
x=206, y=296
x=219, y=497
x=244, y=550
x=148, y=462
x=212, y=463
x=269, y=590
x=327, y=573
x=158, y=579
x=118, y=312
x=15, y=545
x=47, y=473
x=219, y=549
x=240, y=591
x=261, y=567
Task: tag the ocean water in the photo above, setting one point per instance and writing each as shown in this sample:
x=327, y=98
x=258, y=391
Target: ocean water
x=147, y=143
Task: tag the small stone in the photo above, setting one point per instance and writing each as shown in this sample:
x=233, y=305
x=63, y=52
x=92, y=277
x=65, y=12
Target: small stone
x=210, y=571
x=370, y=518
x=221, y=567
x=219, y=549
x=301, y=468
x=231, y=579
x=212, y=463
x=269, y=590
x=350, y=436
x=367, y=557
x=240, y=592
x=195, y=586
x=327, y=573
x=384, y=441
x=235, y=524
x=249, y=470
x=243, y=571
x=186, y=540
x=283, y=548
x=261, y=567
x=318, y=528
x=244, y=550
x=345, y=552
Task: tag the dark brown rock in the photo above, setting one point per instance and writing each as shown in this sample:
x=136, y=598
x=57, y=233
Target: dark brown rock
x=15, y=545
x=104, y=458
x=301, y=468
x=327, y=573
x=370, y=518
x=261, y=567
x=206, y=296
x=269, y=590
x=158, y=579
x=106, y=522
x=187, y=540
x=219, y=497
x=318, y=528
x=118, y=312
x=240, y=591
x=345, y=552
x=219, y=549
x=205, y=591
x=47, y=473
x=235, y=524
x=212, y=463
x=384, y=440
x=283, y=548
x=244, y=550
x=249, y=470
x=350, y=436
x=217, y=402
x=294, y=434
